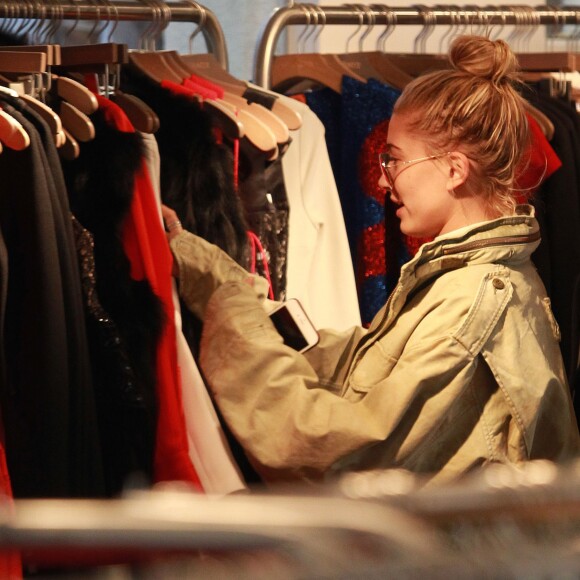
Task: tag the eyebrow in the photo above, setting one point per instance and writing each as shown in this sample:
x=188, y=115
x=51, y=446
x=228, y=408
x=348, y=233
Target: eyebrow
x=391, y=146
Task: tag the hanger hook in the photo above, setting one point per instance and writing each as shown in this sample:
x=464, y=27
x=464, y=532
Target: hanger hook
x=313, y=24
x=200, y=24
x=56, y=18
x=502, y=15
x=112, y=21
x=452, y=15
x=153, y=30
x=322, y=14
x=97, y=21
x=420, y=42
x=104, y=22
x=164, y=21
x=38, y=24
x=368, y=11
x=9, y=19
x=534, y=24
x=360, y=14
x=145, y=38
x=308, y=16
x=71, y=29
x=390, y=18
x=512, y=37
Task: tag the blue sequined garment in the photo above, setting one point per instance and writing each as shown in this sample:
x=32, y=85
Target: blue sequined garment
x=356, y=123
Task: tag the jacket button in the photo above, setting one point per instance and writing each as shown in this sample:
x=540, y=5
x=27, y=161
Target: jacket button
x=498, y=284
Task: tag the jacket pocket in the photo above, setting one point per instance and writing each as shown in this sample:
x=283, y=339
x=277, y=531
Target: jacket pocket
x=375, y=365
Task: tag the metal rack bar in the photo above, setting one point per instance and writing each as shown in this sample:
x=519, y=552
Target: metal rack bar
x=377, y=14
x=125, y=10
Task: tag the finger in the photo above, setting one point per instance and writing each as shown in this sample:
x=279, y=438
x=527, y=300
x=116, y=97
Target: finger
x=168, y=214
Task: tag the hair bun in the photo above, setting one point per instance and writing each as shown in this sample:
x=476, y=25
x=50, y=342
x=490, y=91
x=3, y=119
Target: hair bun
x=484, y=58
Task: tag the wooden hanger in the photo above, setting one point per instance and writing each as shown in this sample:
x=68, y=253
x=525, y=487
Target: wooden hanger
x=415, y=64
x=51, y=51
x=44, y=111
x=70, y=148
x=12, y=134
x=377, y=65
x=257, y=130
x=27, y=60
x=101, y=59
x=16, y=61
x=50, y=117
x=207, y=66
x=278, y=127
x=153, y=65
x=325, y=70
x=141, y=115
x=270, y=119
x=548, y=61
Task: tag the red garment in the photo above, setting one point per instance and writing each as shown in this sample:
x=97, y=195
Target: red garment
x=178, y=89
x=146, y=247
x=383, y=248
x=10, y=561
x=538, y=163
x=203, y=87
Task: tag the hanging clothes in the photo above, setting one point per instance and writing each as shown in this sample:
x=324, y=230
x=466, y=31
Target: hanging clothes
x=356, y=124
x=134, y=282
x=319, y=268
x=262, y=191
x=557, y=204
x=208, y=448
x=49, y=408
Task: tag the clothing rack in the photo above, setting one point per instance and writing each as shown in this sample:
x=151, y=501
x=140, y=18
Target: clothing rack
x=121, y=10
x=352, y=14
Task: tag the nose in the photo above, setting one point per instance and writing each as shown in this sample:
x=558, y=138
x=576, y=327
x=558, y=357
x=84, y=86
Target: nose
x=383, y=183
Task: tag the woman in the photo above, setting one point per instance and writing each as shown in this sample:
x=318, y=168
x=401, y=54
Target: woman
x=461, y=368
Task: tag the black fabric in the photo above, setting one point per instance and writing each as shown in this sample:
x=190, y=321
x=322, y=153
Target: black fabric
x=196, y=171
x=262, y=98
x=101, y=188
x=52, y=441
x=197, y=181
x=196, y=177
x=4, y=273
x=557, y=206
x=263, y=194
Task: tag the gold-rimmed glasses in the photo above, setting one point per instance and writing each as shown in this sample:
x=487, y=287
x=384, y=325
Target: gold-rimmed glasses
x=388, y=163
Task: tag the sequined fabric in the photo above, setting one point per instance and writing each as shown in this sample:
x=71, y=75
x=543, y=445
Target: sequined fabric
x=121, y=379
x=356, y=124
x=383, y=248
x=263, y=195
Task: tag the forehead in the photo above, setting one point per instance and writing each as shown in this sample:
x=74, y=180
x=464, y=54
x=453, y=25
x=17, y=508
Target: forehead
x=401, y=135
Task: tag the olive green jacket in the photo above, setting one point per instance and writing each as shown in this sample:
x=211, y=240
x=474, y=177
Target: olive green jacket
x=459, y=369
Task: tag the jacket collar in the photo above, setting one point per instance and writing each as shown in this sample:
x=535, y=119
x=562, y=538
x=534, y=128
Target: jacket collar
x=505, y=240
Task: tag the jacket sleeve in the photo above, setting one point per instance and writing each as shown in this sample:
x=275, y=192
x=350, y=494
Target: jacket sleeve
x=203, y=267
x=292, y=426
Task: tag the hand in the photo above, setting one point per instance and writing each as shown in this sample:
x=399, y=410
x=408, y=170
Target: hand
x=173, y=227
x=172, y=223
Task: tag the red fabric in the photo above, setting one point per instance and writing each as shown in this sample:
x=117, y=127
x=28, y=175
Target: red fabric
x=178, y=89
x=202, y=91
x=10, y=561
x=538, y=163
x=146, y=247
x=205, y=84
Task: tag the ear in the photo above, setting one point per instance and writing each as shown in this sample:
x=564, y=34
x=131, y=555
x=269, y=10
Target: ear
x=459, y=169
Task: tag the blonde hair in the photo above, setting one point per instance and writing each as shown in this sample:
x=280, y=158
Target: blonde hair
x=474, y=107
